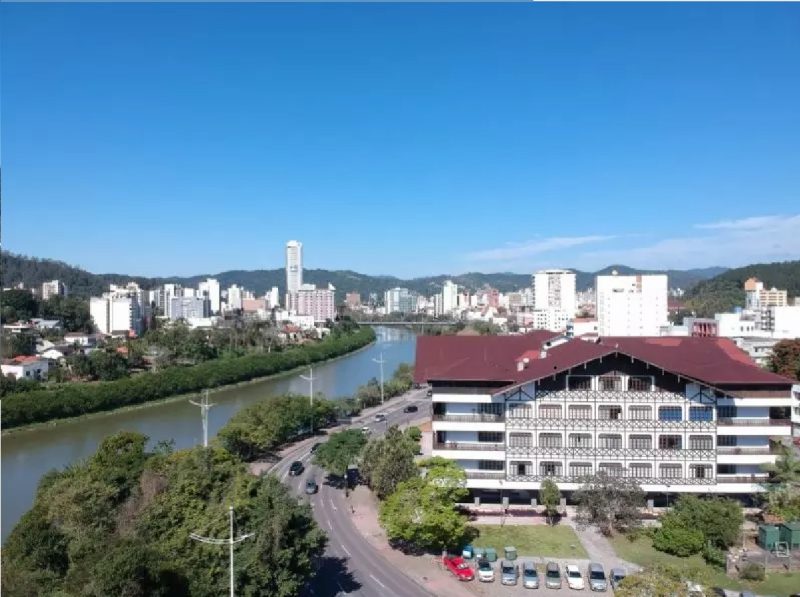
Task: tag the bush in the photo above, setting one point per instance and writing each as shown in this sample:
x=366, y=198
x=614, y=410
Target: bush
x=677, y=539
x=714, y=556
x=752, y=571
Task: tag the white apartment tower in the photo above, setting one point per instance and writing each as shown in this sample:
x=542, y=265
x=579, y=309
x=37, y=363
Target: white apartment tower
x=449, y=297
x=631, y=305
x=294, y=269
x=54, y=288
x=234, y=298
x=210, y=288
x=554, y=289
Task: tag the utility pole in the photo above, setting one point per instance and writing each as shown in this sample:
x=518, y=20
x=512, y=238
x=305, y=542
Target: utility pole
x=230, y=542
x=381, y=362
x=310, y=380
x=205, y=406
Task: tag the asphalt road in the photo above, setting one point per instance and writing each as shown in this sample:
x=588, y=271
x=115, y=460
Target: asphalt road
x=350, y=566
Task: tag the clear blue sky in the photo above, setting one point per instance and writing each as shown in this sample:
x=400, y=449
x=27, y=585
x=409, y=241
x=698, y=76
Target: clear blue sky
x=405, y=139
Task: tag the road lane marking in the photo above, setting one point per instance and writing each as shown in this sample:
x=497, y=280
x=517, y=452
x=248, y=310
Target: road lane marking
x=330, y=501
x=346, y=551
x=377, y=581
x=286, y=474
x=330, y=526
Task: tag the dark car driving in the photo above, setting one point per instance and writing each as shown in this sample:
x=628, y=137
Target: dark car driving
x=410, y=409
x=296, y=468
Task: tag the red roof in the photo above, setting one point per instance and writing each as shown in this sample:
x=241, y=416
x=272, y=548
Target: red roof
x=715, y=361
x=21, y=360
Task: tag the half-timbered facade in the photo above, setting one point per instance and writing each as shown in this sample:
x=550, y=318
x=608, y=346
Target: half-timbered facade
x=677, y=414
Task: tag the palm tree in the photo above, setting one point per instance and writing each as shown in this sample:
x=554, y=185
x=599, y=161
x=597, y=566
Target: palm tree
x=786, y=469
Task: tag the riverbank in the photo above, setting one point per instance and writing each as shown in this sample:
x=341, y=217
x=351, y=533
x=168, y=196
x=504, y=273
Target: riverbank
x=176, y=398
x=76, y=401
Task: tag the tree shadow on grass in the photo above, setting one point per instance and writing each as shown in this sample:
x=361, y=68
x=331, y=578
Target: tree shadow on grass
x=333, y=578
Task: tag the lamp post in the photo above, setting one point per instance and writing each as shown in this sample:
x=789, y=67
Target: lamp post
x=310, y=380
x=205, y=406
x=231, y=541
x=381, y=362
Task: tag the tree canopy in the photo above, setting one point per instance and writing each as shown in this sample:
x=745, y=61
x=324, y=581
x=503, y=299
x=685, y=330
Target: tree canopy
x=610, y=503
x=340, y=451
x=785, y=359
x=388, y=461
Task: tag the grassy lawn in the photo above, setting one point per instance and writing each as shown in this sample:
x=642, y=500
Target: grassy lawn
x=642, y=552
x=559, y=541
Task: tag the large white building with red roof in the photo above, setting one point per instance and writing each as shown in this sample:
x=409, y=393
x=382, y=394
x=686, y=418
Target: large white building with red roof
x=679, y=414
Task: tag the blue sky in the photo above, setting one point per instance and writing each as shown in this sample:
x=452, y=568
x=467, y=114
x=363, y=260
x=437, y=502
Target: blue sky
x=404, y=139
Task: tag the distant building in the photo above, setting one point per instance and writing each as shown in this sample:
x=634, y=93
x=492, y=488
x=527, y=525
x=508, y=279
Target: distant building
x=273, y=298
x=118, y=312
x=25, y=368
x=253, y=305
x=631, y=305
x=294, y=270
x=400, y=300
x=449, y=298
x=189, y=307
x=318, y=302
x=352, y=300
x=54, y=288
x=785, y=321
x=234, y=298
x=554, y=289
x=210, y=289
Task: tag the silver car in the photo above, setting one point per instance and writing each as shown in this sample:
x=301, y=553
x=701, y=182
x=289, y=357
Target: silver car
x=617, y=576
x=509, y=572
x=552, y=576
x=530, y=577
x=597, y=577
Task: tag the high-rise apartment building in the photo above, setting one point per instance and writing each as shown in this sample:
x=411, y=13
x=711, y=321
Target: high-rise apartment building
x=318, y=302
x=273, y=297
x=352, y=300
x=554, y=289
x=631, y=305
x=54, y=288
x=118, y=312
x=294, y=270
x=210, y=289
x=189, y=307
x=678, y=415
x=400, y=300
x=449, y=298
x=234, y=298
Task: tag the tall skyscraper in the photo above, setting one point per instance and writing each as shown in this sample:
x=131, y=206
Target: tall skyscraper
x=294, y=266
x=449, y=297
x=631, y=305
x=210, y=288
x=554, y=289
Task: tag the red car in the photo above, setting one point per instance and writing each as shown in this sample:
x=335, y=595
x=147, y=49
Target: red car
x=458, y=567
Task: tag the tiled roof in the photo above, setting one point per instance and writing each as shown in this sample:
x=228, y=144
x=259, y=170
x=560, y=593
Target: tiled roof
x=715, y=361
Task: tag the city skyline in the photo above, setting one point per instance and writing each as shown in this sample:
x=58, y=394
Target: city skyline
x=644, y=135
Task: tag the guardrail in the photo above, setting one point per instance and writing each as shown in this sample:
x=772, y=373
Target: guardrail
x=486, y=475
x=476, y=418
x=468, y=446
x=742, y=450
x=753, y=422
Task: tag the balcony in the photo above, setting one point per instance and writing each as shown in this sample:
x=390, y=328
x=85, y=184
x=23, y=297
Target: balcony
x=476, y=418
x=620, y=424
x=754, y=422
x=609, y=396
x=742, y=478
x=623, y=453
x=485, y=474
x=469, y=446
x=743, y=450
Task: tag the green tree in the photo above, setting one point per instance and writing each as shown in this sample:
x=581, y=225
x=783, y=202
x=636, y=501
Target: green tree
x=785, y=359
x=786, y=469
x=673, y=537
x=388, y=461
x=107, y=365
x=651, y=583
x=340, y=451
x=550, y=497
x=610, y=503
x=18, y=304
x=718, y=519
x=14, y=345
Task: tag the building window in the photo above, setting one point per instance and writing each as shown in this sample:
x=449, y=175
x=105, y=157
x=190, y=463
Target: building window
x=491, y=465
x=671, y=471
x=550, y=440
x=701, y=442
x=726, y=440
x=520, y=411
x=726, y=412
x=610, y=383
x=550, y=411
x=640, y=383
x=579, y=382
x=670, y=413
x=580, y=469
x=640, y=442
x=700, y=471
x=609, y=413
x=520, y=440
x=494, y=437
x=608, y=440
x=640, y=413
x=669, y=442
x=701, y=413
x=641, y=470
x=521, y=469
x=726, y=469
x=580, y=412
x=490, y=409
x=550, y=469
x=580, y=440
x=612, y=469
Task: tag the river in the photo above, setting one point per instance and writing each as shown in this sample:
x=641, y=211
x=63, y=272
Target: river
x=28, y=455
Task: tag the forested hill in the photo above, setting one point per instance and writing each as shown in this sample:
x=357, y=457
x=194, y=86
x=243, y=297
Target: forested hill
x=726, y=291
x=33, y=271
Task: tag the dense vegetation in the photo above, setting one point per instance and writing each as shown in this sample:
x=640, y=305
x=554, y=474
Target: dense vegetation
x=119, y=524
x=32, y=272
x=785, y=359
x=388, y=461
x=73, y=399
x=73, y=312
x=724, y=292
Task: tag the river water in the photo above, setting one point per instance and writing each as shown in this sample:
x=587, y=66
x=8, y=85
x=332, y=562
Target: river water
x=26, y=456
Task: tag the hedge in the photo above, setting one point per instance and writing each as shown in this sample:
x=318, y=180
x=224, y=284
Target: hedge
x=74, y=399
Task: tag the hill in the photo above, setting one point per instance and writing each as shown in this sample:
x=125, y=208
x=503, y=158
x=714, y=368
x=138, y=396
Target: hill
x=33, y=271
x=726, y=290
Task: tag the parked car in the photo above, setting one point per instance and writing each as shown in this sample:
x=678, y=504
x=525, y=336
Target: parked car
x=458, y=567
x=552, y=576
x=380, y=417
x=311, y=487
x=366, y=430
x=530, y=578
x=597, y=577
x=411, y=408
x=616, y=576
x=295, y=468
x=574, y=577
x=485, y=570
x=509, y=572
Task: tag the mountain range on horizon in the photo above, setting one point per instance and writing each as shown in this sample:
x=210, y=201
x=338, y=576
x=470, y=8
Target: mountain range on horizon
x=33, y=271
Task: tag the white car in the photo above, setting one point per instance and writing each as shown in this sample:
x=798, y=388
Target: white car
x=574, y=577
x=366, y=430
x=485, y=571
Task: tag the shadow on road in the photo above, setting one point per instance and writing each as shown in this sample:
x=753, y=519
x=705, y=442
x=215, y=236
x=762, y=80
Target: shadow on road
x=332, y=579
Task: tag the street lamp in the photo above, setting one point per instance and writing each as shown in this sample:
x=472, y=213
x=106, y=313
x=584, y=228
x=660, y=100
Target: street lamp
x=231, y=541
x=381, y=362
x=310, y=380
x=205, y=406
